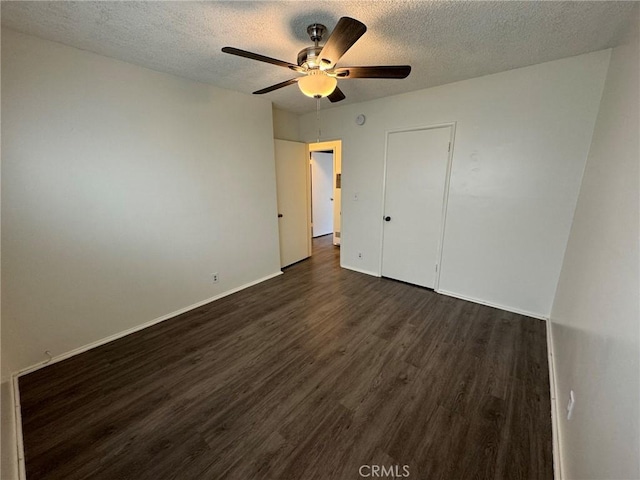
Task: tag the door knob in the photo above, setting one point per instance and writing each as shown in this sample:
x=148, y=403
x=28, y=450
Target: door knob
x=387, y=219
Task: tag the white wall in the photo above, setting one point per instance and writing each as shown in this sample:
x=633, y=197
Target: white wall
x=286, y=125
x=596, y=315
x=521, y=144
x=123, y=190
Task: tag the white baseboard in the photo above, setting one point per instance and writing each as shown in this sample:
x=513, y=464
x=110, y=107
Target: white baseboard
x=22, y=471
x=16, y=393
x=9, y=441
x=555, y=407
x=89, y=346
x=124, y=333
x=354, y=269
x=494, y=305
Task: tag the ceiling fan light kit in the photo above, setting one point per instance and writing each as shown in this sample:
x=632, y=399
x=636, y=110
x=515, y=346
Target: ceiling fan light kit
x=317, y=84
x=317, y=64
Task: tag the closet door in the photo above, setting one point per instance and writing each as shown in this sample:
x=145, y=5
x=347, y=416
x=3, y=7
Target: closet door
x=415, y=178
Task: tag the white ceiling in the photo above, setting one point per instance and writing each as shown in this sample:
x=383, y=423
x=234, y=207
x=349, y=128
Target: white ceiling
x=443, y=41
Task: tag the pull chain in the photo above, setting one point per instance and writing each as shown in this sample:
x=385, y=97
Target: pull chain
x=318, y=116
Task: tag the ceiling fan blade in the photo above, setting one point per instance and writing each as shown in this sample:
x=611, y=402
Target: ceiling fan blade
x=347, y=32
x=336, y=96
x=276, y=86
x=260, y=58
x=391, y=71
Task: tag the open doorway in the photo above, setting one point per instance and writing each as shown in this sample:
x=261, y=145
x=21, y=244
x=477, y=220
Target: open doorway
x=325, y=189
x=321, y=193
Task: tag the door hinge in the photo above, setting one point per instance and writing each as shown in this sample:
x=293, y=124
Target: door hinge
x=436, y=268
x=449, y=147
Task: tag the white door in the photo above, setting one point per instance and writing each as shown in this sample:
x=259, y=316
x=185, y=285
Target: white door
x=337, y=192
x=322, y=193
x=292, y=188
x=416, y=171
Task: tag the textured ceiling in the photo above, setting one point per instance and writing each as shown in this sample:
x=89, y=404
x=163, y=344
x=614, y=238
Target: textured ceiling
x=443, y=41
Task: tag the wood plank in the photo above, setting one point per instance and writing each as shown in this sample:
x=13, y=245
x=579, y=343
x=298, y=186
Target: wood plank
x=308, y=375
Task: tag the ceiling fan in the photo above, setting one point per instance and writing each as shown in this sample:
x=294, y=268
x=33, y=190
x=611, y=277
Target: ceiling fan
x=318, y=64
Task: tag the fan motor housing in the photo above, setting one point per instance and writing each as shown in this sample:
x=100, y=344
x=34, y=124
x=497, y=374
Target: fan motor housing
x=310, y=56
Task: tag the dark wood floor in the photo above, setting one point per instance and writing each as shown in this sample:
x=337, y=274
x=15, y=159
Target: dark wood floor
x=306, y=376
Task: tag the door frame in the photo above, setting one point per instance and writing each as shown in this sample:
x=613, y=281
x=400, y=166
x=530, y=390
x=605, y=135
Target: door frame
x=445, y=200
x=336, y=146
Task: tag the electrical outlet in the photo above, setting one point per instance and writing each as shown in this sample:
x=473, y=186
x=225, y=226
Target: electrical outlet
x=215, y=277
x=360, y=255
x=570, y=405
